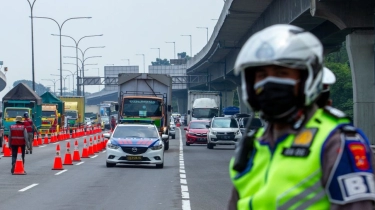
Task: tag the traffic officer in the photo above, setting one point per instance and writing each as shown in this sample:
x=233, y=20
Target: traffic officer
x=328, y=79
x=17, y=138
x=30, y=127
x=306, y=157
x=113, y=123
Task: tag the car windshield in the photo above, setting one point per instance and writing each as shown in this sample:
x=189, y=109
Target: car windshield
x=224, y=123
x=71, y=114
x=198, y=125
x=12, y=113
x=48, y=114
x=135, y=131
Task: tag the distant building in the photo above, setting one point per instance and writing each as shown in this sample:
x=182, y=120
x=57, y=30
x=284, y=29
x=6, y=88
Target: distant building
x=172, y=70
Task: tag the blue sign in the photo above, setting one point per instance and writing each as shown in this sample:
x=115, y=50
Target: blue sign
x=231, y=110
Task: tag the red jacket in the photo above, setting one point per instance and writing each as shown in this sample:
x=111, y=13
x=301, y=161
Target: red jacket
x=113, y=122
x=17, y=134
x=28, y=125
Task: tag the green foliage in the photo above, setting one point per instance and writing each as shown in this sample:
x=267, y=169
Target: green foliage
x=39, y=88
x=160, y=62
x=342, y=90
x=183, y=55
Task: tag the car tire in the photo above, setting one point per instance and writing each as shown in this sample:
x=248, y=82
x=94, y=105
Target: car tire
x=210, y=146
x=187, y=144
x=166, y=145
x=110, y=165
x=174, y=136
x=160, y=165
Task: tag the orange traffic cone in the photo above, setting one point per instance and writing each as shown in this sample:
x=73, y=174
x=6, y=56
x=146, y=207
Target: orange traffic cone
x=18, y=169
x=7, y=150
x=40, y=139
x=35, y=142
x=68, y=155
x=91, y=149
x=57, y=165
x=45, y=139
x=95, y=146
x=76, y=156
x=85, y=152
x=74, y=134
x=100, y=144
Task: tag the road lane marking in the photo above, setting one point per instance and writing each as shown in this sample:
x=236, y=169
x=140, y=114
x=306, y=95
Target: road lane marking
x=28, y=187
x=94, y=156
x=79, y=163
x=61, y=172
x=43, y=146
x=185, y=197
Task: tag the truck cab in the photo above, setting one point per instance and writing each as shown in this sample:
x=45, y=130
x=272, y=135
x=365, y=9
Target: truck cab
x=50, y=117
x=10, y=114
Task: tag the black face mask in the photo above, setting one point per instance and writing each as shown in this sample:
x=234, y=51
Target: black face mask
x=323, y=99
x=276, y=98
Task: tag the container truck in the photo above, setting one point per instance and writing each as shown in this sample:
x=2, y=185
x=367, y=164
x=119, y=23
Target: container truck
x=16, y=102
x=203, y=105
x=74, y=110
x=146, y=98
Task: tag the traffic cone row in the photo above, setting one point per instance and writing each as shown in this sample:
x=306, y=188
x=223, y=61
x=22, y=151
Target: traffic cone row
x=40, y=139
x=7, y=150
x=76, y=156
x=35, y=142
x=68, y=156
x=18, y=168
x=46, y=139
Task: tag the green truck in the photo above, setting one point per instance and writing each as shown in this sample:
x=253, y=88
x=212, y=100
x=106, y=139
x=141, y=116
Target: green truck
x=145, y=98
x=74, y=110
x=16, y=102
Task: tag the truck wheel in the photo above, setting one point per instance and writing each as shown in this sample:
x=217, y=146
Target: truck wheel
x=210, y=146
x=187, y=144
x=166, y=145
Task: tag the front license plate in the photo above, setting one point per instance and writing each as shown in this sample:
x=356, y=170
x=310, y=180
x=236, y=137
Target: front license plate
x=134, y=158
x=202, y=139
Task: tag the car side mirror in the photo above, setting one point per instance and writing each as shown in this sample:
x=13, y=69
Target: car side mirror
x=207, y=126
x=185, y=129
x=164, y=136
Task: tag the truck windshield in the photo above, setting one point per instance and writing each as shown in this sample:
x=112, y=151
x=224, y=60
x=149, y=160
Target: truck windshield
x=48, y=114
x=71, y=114
x=142, y=107
x=12, y=113
x=92, y=116
x=204, y=113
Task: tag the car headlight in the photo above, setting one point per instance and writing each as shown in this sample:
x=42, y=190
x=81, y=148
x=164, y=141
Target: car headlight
x=213, y=132
x=238, y=132
x=157, y=147
x=111, y=146
x=192, y=133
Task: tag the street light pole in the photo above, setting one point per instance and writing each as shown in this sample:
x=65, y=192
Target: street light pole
x=191, y=45
x=174, y=47
x=206, y=29
x=54, y=84
x=60, y=28
x=32, y=42
x=159, y=54
x=72, y=77
x=77, y=43
x=64, y=78
x=127, y=60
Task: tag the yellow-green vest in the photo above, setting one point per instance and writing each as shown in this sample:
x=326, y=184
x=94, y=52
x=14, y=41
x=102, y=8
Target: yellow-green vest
x=274, y=180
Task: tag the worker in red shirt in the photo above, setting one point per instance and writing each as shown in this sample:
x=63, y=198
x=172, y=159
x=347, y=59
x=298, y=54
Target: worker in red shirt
x=113, y=123
x=17, y=138
x=30, y=127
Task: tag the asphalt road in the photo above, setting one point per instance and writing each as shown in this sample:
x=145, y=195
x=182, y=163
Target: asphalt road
x=193, y=177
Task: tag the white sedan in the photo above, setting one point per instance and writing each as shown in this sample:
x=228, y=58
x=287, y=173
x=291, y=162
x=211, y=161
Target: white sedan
x=135, y=144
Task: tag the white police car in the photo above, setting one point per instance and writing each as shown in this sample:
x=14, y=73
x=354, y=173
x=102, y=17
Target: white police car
x=135, y=144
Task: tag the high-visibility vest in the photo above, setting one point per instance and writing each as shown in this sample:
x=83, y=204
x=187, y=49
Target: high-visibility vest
x=17, y=135
x=288, y=176
x=28, y=125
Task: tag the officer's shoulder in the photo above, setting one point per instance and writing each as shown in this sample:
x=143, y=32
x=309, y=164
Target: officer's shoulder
x=334, y=112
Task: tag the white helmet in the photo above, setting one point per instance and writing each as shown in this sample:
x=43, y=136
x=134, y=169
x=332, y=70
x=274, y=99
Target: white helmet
x=328, y=77
x=282, y=45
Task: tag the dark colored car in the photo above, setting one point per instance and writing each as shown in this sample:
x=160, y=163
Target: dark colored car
x=255, y=123
x=196, y=132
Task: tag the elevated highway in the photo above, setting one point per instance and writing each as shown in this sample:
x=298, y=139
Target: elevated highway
x=332, y=21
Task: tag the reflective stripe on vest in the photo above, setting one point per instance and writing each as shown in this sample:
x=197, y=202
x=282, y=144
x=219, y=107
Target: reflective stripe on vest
x=276, y=181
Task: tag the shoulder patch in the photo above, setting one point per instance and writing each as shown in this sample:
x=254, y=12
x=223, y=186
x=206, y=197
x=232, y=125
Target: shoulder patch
x=334, y=112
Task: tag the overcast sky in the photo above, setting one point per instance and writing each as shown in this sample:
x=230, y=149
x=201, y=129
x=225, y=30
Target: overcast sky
x=129, y=27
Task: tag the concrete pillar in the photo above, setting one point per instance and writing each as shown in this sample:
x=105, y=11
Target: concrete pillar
x=182, y=105
x=360, y=47
x=227, y=98
x=243, y=106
